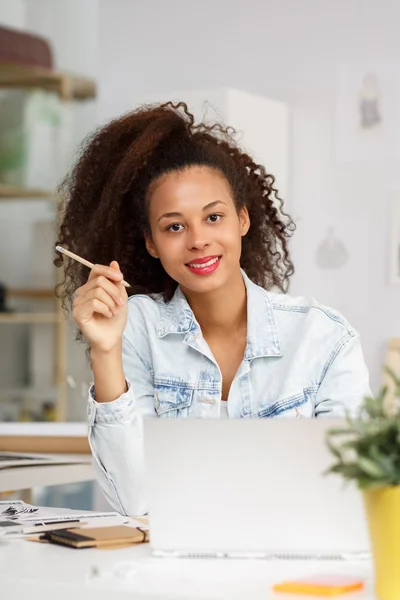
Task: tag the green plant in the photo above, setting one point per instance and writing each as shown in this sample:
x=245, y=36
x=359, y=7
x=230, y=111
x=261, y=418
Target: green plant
x=367, y=449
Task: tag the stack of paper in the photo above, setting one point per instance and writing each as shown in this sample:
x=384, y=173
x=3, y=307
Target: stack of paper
x=27, y=514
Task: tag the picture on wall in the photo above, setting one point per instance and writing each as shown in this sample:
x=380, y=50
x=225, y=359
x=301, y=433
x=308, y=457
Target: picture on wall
x=394, y=249
x=369, y=102
x=367, y=121
x=331, y=253
x=332, y=256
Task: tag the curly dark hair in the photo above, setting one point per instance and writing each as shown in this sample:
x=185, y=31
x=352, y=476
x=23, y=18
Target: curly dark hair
x=104, y=207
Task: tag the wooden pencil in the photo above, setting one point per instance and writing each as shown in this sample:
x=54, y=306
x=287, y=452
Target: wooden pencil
x=83, y=261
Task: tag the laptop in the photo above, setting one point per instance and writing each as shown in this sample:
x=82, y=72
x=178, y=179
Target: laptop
x=249, y=488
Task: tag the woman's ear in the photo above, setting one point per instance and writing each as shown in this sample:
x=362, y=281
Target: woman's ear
x=244, y=220
x=150, y=247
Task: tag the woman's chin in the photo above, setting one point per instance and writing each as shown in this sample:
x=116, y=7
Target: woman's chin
x=203, y=284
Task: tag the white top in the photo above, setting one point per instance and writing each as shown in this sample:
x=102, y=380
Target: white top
x=224, y=410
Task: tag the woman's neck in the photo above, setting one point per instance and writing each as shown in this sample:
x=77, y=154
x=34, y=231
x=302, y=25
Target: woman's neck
x=223, y=311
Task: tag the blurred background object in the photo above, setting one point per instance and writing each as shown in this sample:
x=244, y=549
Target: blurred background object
x=22, y=48
x=41, y=124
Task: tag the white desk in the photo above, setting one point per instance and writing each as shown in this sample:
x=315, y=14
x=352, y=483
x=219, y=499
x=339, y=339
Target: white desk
x=25, y=478
x=44, y=572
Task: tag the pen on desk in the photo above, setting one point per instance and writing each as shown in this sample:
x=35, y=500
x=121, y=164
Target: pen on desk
x=69, y=521
x=83, y=261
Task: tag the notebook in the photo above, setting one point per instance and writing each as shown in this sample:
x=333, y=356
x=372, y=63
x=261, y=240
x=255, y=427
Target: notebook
x=244, y=487
x=97, y=537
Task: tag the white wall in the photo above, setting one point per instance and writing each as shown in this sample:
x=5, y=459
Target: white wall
x=288, y=50
x=283, y=47
x=71, y=26
x=13, y=13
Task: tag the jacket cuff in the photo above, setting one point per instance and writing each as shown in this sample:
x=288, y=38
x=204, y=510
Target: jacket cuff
x=110, y=412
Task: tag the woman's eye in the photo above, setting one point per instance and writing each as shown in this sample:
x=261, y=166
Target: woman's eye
x=214, y=218
x=174, y=227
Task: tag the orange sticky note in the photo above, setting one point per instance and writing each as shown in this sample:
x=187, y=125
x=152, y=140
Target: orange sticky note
x=321, y=585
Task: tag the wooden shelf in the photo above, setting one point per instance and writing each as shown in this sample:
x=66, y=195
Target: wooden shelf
x=39, y=294
x=68, y=86
x=12, y=192
x=15, y=317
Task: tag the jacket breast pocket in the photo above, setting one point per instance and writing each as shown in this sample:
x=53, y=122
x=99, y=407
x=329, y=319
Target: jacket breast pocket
x=296, y=406
x=172, y=398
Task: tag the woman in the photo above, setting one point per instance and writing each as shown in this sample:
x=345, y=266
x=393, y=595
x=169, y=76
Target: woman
x=198, y=232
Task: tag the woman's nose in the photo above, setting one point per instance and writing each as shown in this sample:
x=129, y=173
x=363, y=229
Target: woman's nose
x=197, y=239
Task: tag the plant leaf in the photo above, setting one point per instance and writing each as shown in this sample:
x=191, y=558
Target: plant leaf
x=367, y=449
x=370, y=467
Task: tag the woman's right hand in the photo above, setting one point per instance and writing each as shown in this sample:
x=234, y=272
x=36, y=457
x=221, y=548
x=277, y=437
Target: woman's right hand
x=100, y=307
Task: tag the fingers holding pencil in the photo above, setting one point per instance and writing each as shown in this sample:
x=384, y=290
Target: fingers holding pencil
x=111, y=272
x=101, y=289
x=100, y=304
x=100, y=309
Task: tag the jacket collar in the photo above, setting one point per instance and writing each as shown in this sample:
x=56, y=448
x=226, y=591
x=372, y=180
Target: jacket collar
x=262, y=334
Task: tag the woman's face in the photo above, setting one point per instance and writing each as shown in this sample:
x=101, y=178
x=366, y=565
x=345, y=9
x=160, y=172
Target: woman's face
x=196, y=231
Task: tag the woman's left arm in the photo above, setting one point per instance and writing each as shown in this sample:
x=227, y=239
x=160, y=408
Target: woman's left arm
x=344, y=382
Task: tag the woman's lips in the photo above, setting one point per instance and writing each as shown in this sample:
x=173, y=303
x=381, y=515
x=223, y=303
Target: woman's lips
x=204, y=266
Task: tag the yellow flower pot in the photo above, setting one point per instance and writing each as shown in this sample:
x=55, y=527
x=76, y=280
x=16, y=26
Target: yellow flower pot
x=383, y=513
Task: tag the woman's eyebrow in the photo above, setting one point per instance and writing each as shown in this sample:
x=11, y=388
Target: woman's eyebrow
x=178, y=214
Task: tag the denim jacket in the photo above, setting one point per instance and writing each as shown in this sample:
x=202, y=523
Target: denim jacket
x=302, y=359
